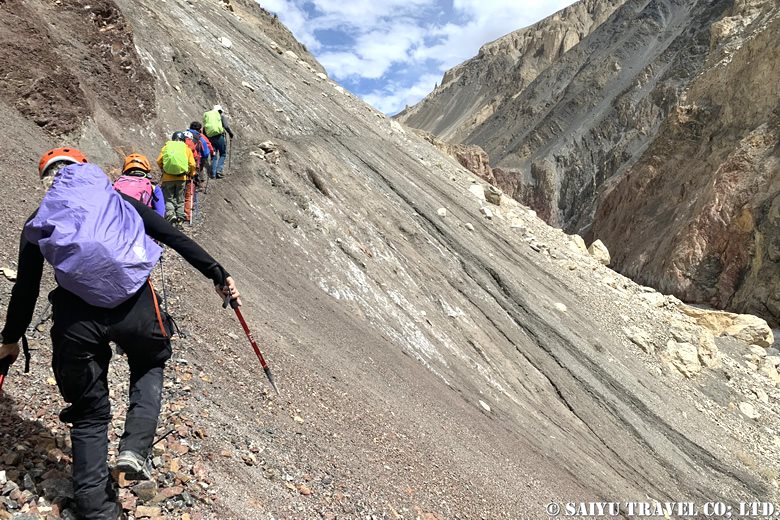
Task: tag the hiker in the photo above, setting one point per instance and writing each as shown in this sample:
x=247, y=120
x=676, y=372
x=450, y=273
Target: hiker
x=136, y=181
x=176, y=162
x=206, y=154
x=215, y=124
x=82, y=219
x=196, y=148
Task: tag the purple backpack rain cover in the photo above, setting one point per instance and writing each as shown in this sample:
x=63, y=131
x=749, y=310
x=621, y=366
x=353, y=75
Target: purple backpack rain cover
x=93, y=238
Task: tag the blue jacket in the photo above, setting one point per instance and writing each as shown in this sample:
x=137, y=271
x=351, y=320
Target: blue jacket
x=158, y=201
x=204, y=143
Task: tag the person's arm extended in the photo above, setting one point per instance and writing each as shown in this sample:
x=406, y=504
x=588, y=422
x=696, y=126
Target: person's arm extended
x=226, y=125
x=24, y=293
x=161, y=230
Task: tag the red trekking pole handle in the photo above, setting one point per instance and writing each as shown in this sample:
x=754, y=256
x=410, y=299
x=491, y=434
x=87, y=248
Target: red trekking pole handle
x=251, y=338
x=5, y=364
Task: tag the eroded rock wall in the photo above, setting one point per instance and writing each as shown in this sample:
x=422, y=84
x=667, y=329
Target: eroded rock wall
x=473, y=91
x=706, y=194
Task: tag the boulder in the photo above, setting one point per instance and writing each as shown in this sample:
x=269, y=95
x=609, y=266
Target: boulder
x=745, y=327
x=640, y=338
x=493, y=195
x=682, y=357
x=600, y=252
x=577, y=244
x=478, y=191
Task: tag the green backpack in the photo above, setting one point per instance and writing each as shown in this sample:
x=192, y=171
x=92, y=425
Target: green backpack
x=174, y=158
x=212, y=124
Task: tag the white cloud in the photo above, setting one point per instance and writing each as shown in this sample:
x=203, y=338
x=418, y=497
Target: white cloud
x=394, y=97
x=388, y=39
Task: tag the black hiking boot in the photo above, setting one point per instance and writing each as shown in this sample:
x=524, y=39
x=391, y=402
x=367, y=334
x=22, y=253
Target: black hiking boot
x=134, y=466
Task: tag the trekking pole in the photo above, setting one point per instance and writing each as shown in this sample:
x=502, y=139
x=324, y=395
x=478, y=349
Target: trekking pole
x=230, y=150
x=266, y=369
x=192, y=198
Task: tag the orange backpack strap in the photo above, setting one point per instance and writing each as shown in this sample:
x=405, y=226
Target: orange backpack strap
x=157, y=310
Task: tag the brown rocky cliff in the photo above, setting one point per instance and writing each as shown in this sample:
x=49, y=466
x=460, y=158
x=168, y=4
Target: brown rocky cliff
x=706, y=194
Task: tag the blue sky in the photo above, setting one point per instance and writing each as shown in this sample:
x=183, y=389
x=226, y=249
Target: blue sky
x=392, y=52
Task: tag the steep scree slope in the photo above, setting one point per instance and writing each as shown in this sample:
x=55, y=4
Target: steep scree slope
x=428, y=368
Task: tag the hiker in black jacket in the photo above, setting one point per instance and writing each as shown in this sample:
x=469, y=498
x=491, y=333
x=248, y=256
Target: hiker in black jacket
x=81, y=330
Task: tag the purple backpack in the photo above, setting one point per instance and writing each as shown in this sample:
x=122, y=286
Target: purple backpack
x=94, y=239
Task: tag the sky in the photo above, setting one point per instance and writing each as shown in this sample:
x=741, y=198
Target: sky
x=392, y=53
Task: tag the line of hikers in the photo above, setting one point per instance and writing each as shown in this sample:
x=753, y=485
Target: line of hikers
x=103, y=246
x=182, y=162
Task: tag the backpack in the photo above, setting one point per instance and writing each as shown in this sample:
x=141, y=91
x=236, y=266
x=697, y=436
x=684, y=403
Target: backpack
x=174, y=158
x=200, y=143
x=194, y=147
x=94, y=239
x=212, y=124
x=140, y=188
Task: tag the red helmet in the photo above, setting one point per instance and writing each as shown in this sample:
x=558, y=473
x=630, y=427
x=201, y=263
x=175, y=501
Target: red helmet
x=56, y=155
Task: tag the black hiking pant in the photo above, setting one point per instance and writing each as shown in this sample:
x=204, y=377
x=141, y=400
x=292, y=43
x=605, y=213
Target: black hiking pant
x=80, y=336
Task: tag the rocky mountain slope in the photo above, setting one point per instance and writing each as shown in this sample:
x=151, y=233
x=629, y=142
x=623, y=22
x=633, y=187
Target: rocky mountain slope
x=471, y=92
x=676, y=95
x=438, y=356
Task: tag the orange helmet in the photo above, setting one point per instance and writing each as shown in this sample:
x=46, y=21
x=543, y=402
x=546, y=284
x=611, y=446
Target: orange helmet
x=136, y=161
x=56, y=155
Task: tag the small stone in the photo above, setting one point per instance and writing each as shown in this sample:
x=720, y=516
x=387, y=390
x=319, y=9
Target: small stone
x=3, y=478
x=748, y=410
x=761, y=395
x=225, y=42
x=57, y=488
x=10, y=487
x=167, y=493
x=232, y=335
x=147, y=512
x=484, y=405
x=145, y=491
x=442, y=212
x=247, y=85
x=469, y=226
x=304, y=490
x=487, y=212
x=561, y=307
x=321, y=76
x=268, y=146
x=29, y=483
x=298, y=419
x=249, y=459
x=8, y=273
